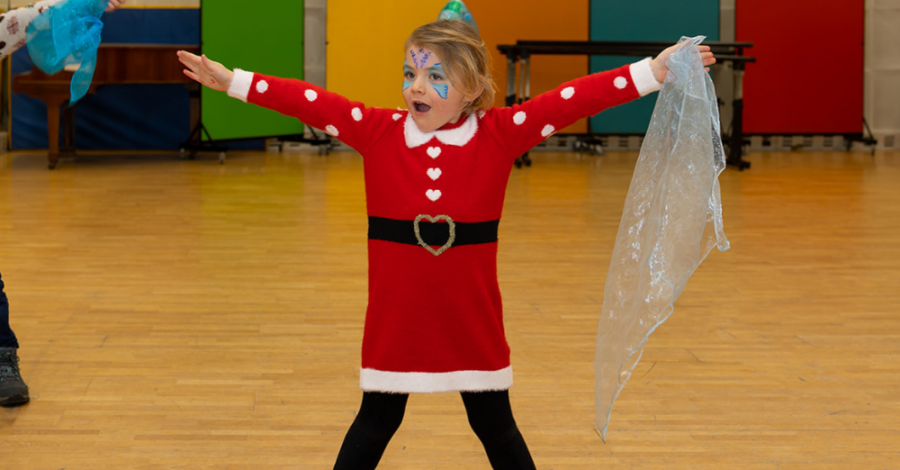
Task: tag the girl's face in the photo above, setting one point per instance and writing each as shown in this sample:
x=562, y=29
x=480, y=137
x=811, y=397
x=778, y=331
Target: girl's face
x=430, y=97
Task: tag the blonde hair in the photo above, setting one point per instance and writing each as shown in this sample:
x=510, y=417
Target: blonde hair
x=463, y=55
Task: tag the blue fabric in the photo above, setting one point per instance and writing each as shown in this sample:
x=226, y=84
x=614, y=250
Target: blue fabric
x=68, y=33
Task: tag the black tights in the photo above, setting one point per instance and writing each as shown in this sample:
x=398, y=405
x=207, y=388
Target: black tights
x=380, y=416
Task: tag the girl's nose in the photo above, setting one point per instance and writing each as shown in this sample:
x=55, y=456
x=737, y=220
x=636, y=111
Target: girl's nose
x=419, y=85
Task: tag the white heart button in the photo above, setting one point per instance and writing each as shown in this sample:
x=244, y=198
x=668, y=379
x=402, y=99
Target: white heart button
x=433, y=194
x=434, y=152
x=434, y=173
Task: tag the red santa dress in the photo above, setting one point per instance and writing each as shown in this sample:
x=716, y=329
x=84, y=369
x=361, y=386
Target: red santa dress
x=435, y=318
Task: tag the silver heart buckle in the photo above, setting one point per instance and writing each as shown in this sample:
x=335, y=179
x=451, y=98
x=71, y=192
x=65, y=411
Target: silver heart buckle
x=435, y=220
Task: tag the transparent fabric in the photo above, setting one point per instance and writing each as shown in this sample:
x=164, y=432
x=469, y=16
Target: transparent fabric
x=456, y=10
x=672, y=219
x=68, y=33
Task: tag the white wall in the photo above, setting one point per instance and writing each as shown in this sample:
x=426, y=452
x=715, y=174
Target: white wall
x=882, y=70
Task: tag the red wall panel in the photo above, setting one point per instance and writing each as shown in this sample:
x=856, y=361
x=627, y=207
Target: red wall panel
x=808, y=78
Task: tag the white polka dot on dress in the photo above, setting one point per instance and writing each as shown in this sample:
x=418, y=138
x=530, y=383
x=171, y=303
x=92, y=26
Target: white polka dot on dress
x=332, y=130
x=567, y=92
x=620, y=82
x=311, y=95
x=357, y=114
x=548, y=129
x=262, y=86
x=397, y=116
x=519, y=118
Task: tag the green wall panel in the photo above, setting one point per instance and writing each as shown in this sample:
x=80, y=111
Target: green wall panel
x=647, y=20
x=253, y=39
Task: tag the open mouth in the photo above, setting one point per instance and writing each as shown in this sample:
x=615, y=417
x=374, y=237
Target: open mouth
x=421, y=107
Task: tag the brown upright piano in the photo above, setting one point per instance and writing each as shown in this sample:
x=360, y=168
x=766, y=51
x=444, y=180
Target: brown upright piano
x=116, y=64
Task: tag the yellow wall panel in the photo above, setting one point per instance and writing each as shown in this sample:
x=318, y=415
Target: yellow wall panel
x=365, y=43
x=365, y=47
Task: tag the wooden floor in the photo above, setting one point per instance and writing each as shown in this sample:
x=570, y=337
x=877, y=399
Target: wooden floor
x=186, y=315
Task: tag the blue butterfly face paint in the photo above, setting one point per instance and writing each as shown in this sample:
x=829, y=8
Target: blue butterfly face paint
x=439, y=80
x=409, y=76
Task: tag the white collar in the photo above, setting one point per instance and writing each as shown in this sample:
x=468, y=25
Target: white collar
x=459, y=136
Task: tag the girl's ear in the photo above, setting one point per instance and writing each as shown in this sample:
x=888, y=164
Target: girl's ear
x=474, y=96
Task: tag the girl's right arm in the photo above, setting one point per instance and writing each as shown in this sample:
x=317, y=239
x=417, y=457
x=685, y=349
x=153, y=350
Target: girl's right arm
x=351, y=122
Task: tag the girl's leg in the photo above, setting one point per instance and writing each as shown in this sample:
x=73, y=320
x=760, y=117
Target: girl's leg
x=492, y=420
x=378, y=419
x=7, y=337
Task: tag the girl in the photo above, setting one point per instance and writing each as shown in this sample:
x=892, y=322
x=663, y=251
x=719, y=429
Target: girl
x=435, y=178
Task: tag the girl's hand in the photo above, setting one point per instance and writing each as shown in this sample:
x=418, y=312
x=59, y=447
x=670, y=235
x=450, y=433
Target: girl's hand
x=659, y=63
x=113, y=4
x=206, y=72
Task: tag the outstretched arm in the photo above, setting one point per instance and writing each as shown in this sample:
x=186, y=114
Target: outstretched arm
x=526, y=125
x=351, y=122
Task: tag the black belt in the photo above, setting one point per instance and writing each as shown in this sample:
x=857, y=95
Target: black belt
x=428, y=231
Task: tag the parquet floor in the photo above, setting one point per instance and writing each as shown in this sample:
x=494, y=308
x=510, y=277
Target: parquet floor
x=186, y=315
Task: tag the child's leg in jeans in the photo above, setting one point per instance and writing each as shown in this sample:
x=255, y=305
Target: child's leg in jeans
x=14, y=23
x=378, y=419
x=492, y=420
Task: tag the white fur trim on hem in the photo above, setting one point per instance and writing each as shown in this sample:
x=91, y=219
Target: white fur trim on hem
x=372, y=380
x=240, y=85
x=642, y=76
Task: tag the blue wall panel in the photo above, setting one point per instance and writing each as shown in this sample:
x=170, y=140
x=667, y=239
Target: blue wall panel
x=648, y=20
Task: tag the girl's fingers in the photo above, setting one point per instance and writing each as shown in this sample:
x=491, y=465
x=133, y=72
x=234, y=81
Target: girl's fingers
x=194, y=68
x=192, y=76
x=207, y=63
x=189, y=57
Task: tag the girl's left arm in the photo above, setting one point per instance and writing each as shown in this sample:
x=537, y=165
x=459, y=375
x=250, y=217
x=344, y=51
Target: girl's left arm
x=526, y=125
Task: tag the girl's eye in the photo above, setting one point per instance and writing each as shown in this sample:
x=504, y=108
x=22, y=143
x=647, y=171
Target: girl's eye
x=408, y=75
x=436, y=77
